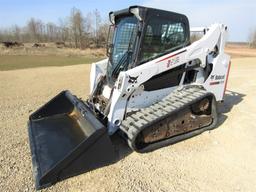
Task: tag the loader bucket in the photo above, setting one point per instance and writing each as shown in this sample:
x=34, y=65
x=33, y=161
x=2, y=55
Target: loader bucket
x=66, y=139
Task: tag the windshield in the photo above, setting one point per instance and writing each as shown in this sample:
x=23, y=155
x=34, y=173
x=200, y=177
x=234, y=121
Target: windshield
x=122, y=46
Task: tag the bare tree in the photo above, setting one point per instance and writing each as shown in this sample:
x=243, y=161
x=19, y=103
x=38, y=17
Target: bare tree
x=64, y=30
x=1, y=36
x=16, y=33
x=7, y=35
x=97, y=26
x=32, y=29
x=252, y=39
x=41, y=30
x=52, y=32
x=35, y=29
x=77, y=27
x=103, y=34
x=88, y=23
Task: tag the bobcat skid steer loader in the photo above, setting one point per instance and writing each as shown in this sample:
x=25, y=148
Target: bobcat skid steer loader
x=154, y=89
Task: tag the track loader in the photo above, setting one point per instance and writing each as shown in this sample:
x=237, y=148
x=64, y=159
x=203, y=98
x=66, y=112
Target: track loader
x=154, y=89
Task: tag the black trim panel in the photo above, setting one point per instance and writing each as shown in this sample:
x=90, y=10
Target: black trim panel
x=164, y=80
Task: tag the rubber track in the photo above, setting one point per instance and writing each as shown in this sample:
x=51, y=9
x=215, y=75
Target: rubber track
x=177, y=100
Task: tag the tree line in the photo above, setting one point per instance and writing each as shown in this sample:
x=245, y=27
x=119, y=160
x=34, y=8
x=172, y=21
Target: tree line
x=77, y=31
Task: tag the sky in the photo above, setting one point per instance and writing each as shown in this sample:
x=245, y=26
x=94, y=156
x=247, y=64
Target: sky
x=238, y=15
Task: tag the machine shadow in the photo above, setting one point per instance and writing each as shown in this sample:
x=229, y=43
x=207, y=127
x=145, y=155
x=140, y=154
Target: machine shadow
x=231, y=99
x=122, y=149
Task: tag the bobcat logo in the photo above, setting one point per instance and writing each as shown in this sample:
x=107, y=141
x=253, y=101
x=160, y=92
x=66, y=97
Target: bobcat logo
x=132, y=79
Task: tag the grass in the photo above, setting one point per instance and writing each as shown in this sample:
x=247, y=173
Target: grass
x=12, y=62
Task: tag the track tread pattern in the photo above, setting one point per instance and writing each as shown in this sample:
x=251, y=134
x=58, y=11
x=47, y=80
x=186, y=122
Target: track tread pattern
x=178, y=99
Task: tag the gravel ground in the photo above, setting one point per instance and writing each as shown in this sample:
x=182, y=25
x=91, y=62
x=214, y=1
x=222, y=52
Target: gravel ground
x=220, y=160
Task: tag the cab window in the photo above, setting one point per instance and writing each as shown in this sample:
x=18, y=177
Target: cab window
x=161, y=36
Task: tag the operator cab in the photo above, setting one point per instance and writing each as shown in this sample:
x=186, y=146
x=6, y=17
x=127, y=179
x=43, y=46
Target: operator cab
x=139, y=34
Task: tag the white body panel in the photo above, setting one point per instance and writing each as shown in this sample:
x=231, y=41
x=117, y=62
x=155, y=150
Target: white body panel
x=97, y=69
x=128, y=96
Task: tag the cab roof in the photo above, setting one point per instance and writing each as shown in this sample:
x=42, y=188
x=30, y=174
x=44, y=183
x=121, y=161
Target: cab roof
x=142, y=13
